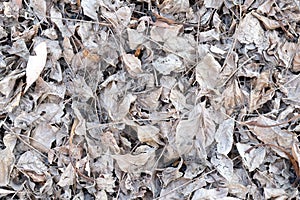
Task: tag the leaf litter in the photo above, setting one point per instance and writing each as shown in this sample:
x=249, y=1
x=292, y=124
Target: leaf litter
x=149, y=99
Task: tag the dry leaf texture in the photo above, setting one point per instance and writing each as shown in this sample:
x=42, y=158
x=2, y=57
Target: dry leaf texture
x=149, y=99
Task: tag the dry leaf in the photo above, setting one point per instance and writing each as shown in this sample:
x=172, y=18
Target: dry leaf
x=7, y=159
x=224, y=136
x=43, y=136
x=36, y=64
x=174, y=6
x=268, y=23
x=132, y=64
x=254, y=158
x=8, y=83
x=68, y=176
x=168, y=64
x=40, y=8
x=134, y=163
x=250, y=30
x=207, y=72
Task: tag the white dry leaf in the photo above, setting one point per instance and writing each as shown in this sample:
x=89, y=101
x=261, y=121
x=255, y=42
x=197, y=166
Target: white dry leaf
x=269, y=24
x=161, y=34
x=36, y=64
x=210, y=35
x=250, y=30
x=120, y=18
x=134, y=163
x=296, y=153
x=174, y=190
x=7, y=159
x=183, y=46
x=150, y=100
x=199, y=127
x=43, y=136
x=49, y=112
x=19, y=48
x=216, y=4
x=207, y=72
x=238, y=189
x=78, y=87
x=135, y=38
x=68, y=53
x=3, y=32
x=106, y=182
x=168, y=64
x=296, y=62
x=132, y=64
x=272, y=135
x=254, y=158
x=216, y=50
x=286, y=52
x=5, y=192
x=171, y=173
x=80, y=122
x=45, y=89
x=291, y=89
x=90, y=8
x=178, y=100
x=121, y=109
x=233, y=97
x=174, y=6
x=275, y=193
x=39, y=8
x=216, y=193
x=68, y=176
x=101, y=195
x=8, y=82
x=56, y=18
x=224, y=136
x=149, y=134
x=31, y=161
x=224, y=166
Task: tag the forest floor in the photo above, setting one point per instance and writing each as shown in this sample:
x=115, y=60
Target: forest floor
x=165, y=99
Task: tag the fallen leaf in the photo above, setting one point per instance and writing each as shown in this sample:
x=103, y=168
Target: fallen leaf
x=36, y=64
x=207, y=72
x=168, y=64
x=7, y=159
x=132, y=64
x=224, y=136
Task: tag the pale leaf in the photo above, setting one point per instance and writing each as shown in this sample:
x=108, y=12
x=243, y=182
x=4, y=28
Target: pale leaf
x=132, y=64
x=224, y=136
x=36, y=64
x=252, y=159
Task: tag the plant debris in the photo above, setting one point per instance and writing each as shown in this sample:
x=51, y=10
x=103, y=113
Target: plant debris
x=149, y=99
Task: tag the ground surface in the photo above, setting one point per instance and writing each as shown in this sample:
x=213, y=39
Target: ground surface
x=175, y=99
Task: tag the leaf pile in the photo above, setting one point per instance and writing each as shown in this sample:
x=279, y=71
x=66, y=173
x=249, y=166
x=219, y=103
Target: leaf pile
x=169, y=99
